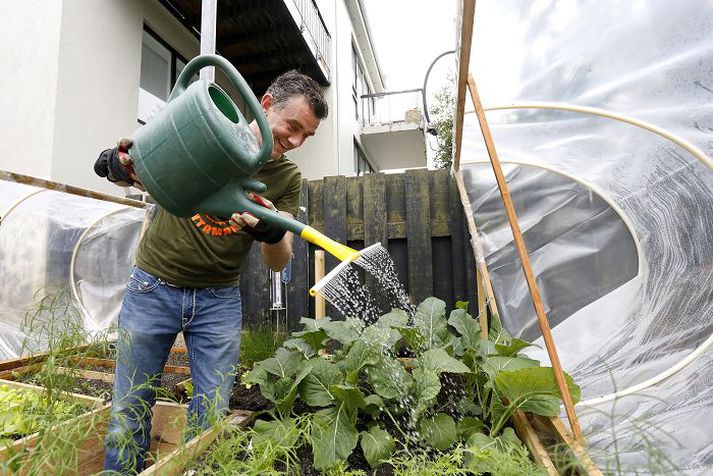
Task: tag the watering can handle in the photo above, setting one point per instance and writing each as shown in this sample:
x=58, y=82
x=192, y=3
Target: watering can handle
x=200, y=62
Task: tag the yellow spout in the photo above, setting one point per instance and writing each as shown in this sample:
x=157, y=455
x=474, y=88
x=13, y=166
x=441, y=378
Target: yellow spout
x=338, y=250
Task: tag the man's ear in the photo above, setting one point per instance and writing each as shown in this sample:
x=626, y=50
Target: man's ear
x=266, y=101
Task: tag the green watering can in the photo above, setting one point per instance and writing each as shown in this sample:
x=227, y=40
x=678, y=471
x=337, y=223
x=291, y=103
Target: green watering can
x=199, y=155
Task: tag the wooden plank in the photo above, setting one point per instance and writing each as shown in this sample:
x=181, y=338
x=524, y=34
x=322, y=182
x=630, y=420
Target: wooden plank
x=557, y=427
x=355, y=209
x=87, y=374
x=74, y=397
x=36, y=358
x=335, y=220
x=438, y=183
x=175, y=462
x=395, y=196
x=297, y=295
x=526, y=433
x=525, y=262
x=418, y=217
x=14, y=373
x=459, y=263
x=375, y=215
x=466, y=14
x=315, y=204
x=71, y=189
x=110, y=364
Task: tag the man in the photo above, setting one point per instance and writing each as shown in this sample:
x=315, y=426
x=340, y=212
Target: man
x=186, y=279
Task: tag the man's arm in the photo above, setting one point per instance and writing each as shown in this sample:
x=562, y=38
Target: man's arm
x=277, y=256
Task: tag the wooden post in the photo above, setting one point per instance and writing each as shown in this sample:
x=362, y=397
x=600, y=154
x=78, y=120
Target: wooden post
x=319, y=304
x=61, y=187
x=525, y=261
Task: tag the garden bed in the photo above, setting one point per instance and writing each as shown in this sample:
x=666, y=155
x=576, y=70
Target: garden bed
x=455, y=407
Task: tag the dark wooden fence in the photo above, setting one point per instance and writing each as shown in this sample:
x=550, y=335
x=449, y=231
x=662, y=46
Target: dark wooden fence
x=416, y=215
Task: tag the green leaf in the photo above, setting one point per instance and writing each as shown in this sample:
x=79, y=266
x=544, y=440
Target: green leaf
x=498, y=334
x=351, y=396
x=438, y=361
x=314, y=338
x=283, y=433
x=301, y=345
x=344, y=332
x=284, y=364
x=515, y=346
x=480, y=441
x=496, y=364
x=314, y=389
x=373, y=405
x=467, y=327
x=430, y=319
x=377, y=445
x=286, y=390
x=534, y=389
x=359, y=356
x=390, y=380
x=466, y=406
x=426, y=386
x=382, y=338
x=438, y=432
x=413, y=338
x=462, y=305
x=467, y=426
x=333, y=436
x=395, y=318
x=311, y=325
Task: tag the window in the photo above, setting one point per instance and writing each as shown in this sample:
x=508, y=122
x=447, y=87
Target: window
x=361, y=164
x=160, y=66
x=360, y=86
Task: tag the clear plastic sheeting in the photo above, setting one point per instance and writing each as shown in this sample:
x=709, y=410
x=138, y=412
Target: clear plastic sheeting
x=607, y=149
x=53, y=242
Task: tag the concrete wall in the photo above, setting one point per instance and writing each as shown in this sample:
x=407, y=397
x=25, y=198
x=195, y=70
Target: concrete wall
x=98, y=86
x=28, y=85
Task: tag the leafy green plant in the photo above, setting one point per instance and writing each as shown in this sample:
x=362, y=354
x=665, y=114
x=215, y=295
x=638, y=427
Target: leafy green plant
x=459, y=386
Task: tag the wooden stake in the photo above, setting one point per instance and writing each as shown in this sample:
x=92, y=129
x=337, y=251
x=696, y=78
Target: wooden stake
x=477, y=246
x=320, y=309
x=71, y=189
x=525, y=261
x=466, y=14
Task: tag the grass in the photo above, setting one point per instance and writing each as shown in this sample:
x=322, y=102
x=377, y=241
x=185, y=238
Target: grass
x=259, y=344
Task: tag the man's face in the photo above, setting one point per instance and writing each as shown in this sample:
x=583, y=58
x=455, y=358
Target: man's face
x=291, y=125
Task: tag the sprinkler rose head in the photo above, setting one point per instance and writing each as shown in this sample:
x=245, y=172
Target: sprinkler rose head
x=341, y=267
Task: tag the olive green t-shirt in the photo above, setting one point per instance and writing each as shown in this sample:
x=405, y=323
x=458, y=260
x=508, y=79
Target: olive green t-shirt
x=205, y=251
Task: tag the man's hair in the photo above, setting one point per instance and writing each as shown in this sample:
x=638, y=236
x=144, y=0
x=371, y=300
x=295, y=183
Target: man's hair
x=294, y=83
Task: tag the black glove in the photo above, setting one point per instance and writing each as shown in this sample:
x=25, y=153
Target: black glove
x=116, y=165
x=265, y=233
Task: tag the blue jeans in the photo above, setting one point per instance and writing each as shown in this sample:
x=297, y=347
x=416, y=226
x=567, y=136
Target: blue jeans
x=152, y=313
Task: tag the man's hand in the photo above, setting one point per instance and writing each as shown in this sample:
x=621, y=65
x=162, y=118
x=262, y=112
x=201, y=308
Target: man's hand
x=116, y=165
x=258, y=229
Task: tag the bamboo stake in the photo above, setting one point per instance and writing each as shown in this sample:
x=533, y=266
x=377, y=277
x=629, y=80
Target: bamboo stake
x=477, y=248
x=320, y=309
x=525, y=261
x=466, y=13
x=71, y=189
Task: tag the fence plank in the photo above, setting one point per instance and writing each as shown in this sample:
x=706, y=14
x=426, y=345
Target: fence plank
x=355, y=206
x=335, y=218
x=297, y=296
x=459, y=245
x=418, y=220
x=375, y=216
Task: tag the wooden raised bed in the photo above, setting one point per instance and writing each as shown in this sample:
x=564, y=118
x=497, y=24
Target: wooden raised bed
x=166, y=451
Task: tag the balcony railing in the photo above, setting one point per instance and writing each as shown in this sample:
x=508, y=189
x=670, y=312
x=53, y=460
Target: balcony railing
x=392, y=108
x=312, y=23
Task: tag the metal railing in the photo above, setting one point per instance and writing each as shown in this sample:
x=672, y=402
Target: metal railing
x=313, y=23
x=392, y=107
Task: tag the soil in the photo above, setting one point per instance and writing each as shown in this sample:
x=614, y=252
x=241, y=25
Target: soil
x=251, y=399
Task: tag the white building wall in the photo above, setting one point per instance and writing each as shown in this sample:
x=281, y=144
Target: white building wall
x=72, y=86
x=29, y=34
x=98, y=87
